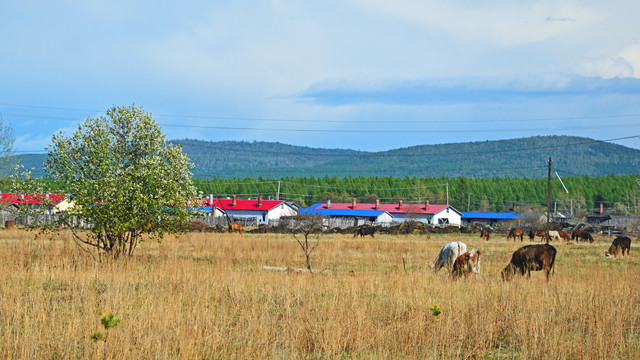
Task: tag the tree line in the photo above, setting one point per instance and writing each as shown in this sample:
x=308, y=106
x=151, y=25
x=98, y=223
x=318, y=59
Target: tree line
x=619, y=194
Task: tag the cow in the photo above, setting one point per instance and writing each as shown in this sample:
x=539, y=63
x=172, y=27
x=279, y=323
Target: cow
x=514, y=233
x=530, y=258
x=533, y=233
x=554, y=235
x=619, y=246
x=9, y=224
x=564, y=235
x=484, y=234
x=467, y=264
x=582, y=234
x=235, y=227
x=364, y=231
x=448, y=255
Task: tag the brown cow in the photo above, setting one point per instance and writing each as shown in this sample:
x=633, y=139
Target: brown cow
x=467, y=264
x=514, y=233
x=619, y=246
x=235, y=227
x=533, y=233
x=484, y=234
x=9, y=224
x=581, y=234
x=564, y=235
x=530, y=258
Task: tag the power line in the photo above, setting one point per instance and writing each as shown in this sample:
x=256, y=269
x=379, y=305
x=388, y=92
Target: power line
x=368, y=131
x=275, y=119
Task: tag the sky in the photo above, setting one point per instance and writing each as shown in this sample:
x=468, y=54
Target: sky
x=366, y=75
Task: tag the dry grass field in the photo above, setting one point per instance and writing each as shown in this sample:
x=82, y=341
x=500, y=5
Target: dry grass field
x=207, y=296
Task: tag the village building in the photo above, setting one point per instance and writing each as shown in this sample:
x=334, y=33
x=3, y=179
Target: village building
x=431, y=214
x=487, y=218
x=248, y=212
x=348, y=217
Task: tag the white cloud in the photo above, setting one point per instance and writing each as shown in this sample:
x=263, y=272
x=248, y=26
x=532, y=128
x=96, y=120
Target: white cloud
x=625, y=63
x=606, y=67
x=631, y=54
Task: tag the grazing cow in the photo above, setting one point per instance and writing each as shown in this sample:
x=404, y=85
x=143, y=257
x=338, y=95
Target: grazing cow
x=466, y=264
x=577, y=234
x=235, y=227
x=484, y=234
x=619, y=246
x=9, y=224
x=448, y=255
x=533, y=233
x=554, y=235
x=584, y=235
x=514, y=233
x=564, y=235
x=365, y=230
x=530, y=258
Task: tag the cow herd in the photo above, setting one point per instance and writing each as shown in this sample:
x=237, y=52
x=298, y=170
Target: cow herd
x=515, y=233
x=537, y=257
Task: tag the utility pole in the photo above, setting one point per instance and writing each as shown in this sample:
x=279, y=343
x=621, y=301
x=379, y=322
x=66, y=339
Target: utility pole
x=572, y=209
x=278, y=194
x=468, y=201
x=548, y=199
x=447, y=194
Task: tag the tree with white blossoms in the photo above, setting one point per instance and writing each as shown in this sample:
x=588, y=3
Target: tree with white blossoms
x=123, y=179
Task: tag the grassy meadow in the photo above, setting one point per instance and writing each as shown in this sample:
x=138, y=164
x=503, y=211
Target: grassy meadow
x=207, y=296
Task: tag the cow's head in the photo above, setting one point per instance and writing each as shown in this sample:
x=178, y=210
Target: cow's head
x=613, y=251
x=508, y=272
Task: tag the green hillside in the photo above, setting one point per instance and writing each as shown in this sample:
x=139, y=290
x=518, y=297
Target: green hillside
x=526, y=157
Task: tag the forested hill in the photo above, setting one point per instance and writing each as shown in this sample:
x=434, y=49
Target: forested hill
x=571, y=156
x=528, y=157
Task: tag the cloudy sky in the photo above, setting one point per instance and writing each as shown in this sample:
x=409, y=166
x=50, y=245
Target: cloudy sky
x=367, y=75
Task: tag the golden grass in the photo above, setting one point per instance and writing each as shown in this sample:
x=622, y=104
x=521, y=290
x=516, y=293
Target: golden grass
x=207, y=296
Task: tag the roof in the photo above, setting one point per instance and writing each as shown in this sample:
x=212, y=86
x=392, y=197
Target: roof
x=251, y=205
x=314, y=210
x=489, y=215
x=390, y=208
x=29, y=199
x=206, y=209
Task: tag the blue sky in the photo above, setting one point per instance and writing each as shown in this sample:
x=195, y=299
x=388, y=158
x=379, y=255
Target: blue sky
x=368, y=75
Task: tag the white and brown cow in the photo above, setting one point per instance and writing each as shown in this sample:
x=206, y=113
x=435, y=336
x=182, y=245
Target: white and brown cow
x=467, y=264
x=448, y=255
x=553, y=235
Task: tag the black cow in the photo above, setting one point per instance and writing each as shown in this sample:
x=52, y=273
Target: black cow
x=585, y=235
x=619, y=246
x=365, y=230
x=530, y=258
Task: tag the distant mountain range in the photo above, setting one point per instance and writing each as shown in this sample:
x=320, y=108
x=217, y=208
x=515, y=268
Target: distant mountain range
x=571, y=156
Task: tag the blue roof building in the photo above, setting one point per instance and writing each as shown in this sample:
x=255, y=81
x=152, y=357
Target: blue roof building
x=488, y=218
x=349, y=217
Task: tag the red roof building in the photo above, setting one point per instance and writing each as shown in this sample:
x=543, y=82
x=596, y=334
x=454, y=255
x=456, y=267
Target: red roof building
x=428, y=213
x=252, y=212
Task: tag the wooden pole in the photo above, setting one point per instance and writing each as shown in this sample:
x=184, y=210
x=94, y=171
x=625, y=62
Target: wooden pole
x=549, y=200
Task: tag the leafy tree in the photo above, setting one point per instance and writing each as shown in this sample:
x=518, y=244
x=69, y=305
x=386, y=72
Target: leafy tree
x=7, y=141
x=124, y=179
x=484, y=204
x=368, y=198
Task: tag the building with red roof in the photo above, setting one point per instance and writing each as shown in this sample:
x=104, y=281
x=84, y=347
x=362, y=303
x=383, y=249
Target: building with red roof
x=249, y=212
x=427, y=213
